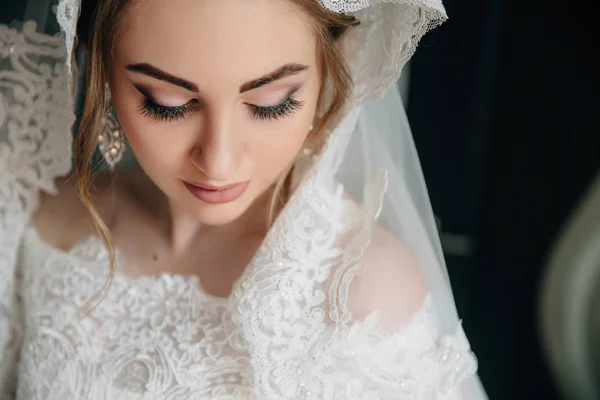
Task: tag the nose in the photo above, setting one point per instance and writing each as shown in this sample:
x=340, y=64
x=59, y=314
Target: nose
x=217, y=151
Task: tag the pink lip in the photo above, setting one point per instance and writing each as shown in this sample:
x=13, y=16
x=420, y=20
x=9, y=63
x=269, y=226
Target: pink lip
x=216, y=194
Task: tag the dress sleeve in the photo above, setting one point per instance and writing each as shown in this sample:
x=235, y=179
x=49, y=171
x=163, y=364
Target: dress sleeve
x=35, y=147
x=411, y=362
x=364, y=330
x=386, y=343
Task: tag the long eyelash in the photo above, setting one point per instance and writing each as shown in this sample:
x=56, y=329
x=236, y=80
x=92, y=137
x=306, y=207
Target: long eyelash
x=162, y=113
x=285, y=109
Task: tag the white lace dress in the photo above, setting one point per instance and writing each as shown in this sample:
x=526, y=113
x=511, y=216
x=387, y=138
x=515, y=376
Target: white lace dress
x=284, y=333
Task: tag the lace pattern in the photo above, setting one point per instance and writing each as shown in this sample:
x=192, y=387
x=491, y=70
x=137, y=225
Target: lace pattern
x=35, y=115
x=386, y=38
x=303, y=341
x=284, y=333
x=164, y=338
x=160, y=337
x=348, y=6
x=67, y=14
x=35, y=143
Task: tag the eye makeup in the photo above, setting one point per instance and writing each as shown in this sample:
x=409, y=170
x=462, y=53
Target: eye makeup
x=160, y=113
x=285, y=108
x=155, y=111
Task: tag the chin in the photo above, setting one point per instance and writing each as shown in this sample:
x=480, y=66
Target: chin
x=219, y=214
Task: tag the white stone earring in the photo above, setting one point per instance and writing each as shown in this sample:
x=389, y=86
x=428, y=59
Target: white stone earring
x=307, y=150
x=112, y=140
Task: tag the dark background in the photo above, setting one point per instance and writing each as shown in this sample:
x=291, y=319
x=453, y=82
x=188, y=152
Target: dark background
x=504, y=107
x=503, y=103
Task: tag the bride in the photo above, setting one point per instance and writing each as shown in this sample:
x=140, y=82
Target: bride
x=275, y=238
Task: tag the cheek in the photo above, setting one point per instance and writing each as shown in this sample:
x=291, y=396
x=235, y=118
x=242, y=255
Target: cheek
x=277, y=150
x=150, y=140
x=280, y=146
x=158, y=147
x=153, y=145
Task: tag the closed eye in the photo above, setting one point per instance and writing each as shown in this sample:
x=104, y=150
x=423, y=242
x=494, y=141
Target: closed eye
x=158, y=112
x=285, y=109
x=161, y=113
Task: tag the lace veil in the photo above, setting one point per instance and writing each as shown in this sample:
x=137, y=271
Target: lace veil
x=370, y=156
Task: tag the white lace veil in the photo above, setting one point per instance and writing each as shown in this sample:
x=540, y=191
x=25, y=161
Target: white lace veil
x=371, y=153
x=380, y=148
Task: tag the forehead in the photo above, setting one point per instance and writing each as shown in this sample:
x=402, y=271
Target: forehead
x=205, y=38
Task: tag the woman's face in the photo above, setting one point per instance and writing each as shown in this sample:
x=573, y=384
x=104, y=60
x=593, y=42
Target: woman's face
x=215, y=93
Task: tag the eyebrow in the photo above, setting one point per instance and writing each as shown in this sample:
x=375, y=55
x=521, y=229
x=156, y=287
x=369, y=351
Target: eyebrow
x=156, y=73
x=279, y=73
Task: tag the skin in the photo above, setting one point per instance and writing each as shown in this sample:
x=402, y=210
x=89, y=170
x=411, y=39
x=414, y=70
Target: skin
x=217, y=47
x=157, y=225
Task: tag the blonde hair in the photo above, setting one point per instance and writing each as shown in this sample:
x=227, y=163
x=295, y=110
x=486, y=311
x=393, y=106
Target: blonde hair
x=99, y=24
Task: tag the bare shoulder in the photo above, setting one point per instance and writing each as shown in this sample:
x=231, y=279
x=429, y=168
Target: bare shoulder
x=62, y=220
x=391, y=282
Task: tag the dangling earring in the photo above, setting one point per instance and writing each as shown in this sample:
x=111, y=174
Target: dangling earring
x=112, y=140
